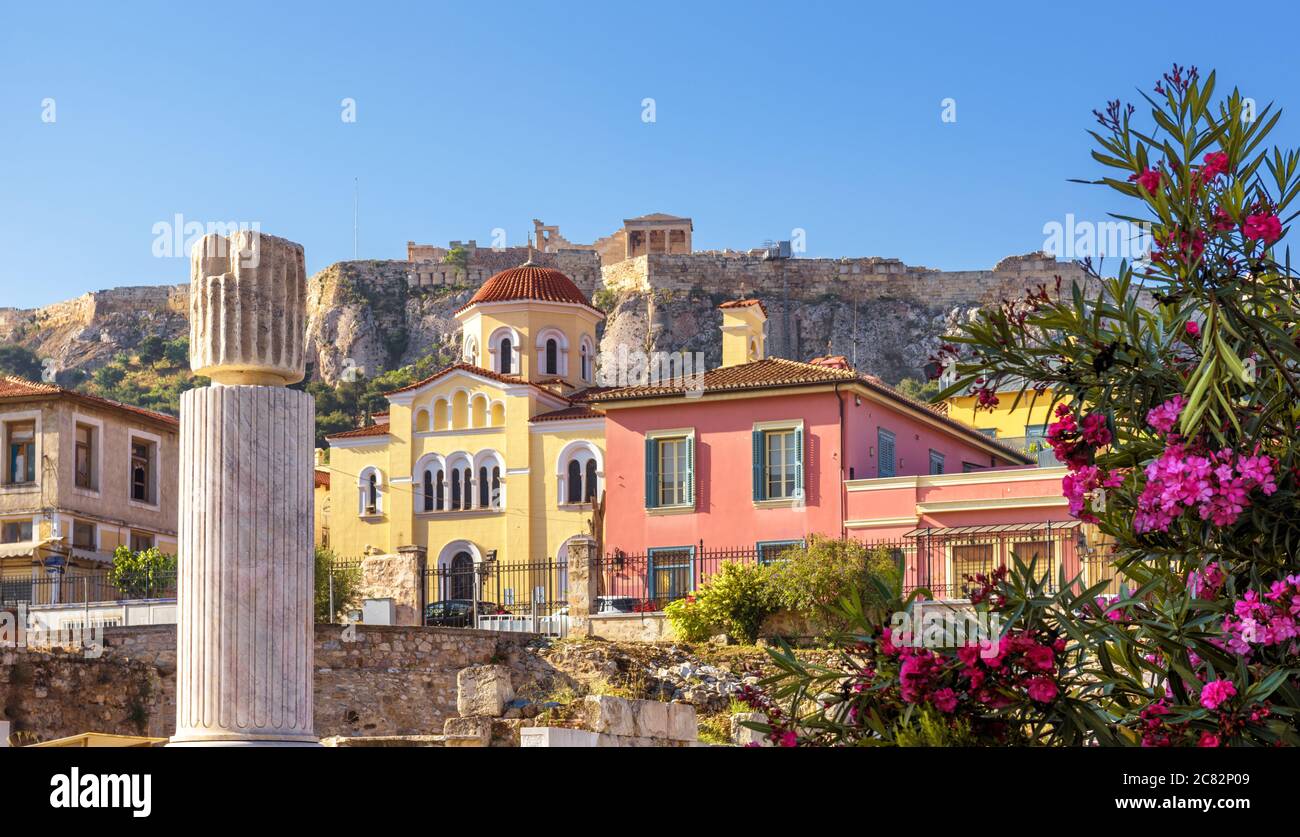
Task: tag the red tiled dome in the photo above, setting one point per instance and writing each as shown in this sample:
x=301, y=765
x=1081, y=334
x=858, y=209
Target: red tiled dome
x=529, y=281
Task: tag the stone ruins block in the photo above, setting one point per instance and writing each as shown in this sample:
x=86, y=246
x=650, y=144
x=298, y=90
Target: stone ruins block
x=483, y=690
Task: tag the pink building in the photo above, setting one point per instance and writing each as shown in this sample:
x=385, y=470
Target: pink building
x=769, y=451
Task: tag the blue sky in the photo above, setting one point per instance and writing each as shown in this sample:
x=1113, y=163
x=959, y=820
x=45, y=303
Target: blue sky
x=472, y=116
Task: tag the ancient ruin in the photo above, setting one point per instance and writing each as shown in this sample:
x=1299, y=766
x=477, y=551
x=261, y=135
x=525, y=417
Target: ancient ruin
x=245, y=628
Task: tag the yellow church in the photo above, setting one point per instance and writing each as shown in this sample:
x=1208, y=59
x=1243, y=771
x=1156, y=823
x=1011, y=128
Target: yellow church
x=494, y=458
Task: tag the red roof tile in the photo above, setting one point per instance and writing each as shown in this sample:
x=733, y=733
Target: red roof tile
x=474, y=370
x=360, y=432
x=776, y=373
x=530, y=281
x=15, y=387
x=320, y=479
x=745, y=303
x=579, y=411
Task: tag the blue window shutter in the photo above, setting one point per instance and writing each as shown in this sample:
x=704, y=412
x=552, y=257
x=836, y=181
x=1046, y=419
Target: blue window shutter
x=759, y=492
x=885, y=452
x=690, y=470
x=798, y=462
x=651, y=474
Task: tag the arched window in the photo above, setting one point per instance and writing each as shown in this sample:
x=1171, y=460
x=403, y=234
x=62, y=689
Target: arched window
x=370, y=491
x=455, y=490
x=440, y=500
x=462, y=576
x=574, y=485
x=484, y=489
x=586, y=362
x=505, y=357
x=428, y=491
x=496, y=487
x=552, y=357
x=422, y=421
x=471, y=351
x=578, y=472
x=467, y=491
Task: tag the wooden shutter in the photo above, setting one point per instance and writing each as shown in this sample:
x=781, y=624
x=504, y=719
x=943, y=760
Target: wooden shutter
x=760, y=486
x=885, y=452
x=798, y=462
x=651, y=474
x=690, y=470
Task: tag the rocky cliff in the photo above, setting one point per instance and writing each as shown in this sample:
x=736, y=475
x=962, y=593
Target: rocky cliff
x=379, y=315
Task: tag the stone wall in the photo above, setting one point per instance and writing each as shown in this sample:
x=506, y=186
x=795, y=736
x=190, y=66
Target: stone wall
x=865, y=278
x=369, y=680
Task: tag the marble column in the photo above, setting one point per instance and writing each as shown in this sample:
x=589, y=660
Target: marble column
x=245, y=629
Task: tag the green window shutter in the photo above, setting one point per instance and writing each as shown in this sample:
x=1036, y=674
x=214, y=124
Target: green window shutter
x=885, y=452
x=798, y=462
x=651, y=474
x=759, y=486
x=690, y=470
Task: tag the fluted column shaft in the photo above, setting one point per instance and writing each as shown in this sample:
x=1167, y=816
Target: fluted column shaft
x=246, y=595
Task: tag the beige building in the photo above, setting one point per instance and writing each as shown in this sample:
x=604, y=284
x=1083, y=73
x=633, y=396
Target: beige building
x=81, y=476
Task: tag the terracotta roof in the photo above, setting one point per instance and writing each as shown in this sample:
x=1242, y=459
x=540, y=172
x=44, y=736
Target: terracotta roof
x=320, y=479
x=835, y=362
x=776, y=373
x=530, y=281
x=474, y=370
x=15, y=387
x=745, y=303
x=360, y=432
x=578, y=411
x=761, y=374
x=588, y=393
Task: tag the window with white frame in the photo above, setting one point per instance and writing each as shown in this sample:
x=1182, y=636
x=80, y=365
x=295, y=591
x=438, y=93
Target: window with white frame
x=587, y=358
x=579, y=473
x=778, y=461
x=84, y=456
x=20, y=452
x=16, y=531
x=144, y=470
x=84, y=535
x=769, y=551
x=370, y=492
x=670, y=470
x=936, y=462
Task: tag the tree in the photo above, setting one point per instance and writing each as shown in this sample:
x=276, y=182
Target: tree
x=144, y=574
x=1183, y=372
x=336, y=582
x=20, y=361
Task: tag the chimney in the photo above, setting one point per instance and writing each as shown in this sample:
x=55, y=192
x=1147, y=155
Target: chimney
x=744, y=331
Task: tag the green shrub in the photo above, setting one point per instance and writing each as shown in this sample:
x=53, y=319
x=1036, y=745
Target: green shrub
x=811, y=580
x=139, y=574
x=736, y=601
x=688, y=620
x=347, y=584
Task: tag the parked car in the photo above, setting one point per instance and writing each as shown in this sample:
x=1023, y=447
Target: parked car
x=457, y=613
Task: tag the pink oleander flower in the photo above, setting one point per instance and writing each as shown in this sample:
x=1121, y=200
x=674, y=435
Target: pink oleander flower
x=1216, y=163
x=1216, y=692
x=1094, y=429
x=789, y=739
x=1148, y=179
x=1214, y=486
x=1193, y=330
x=945, y=700
x=1208, y=739
x=1042, y=689
x=1165, y=417
x=1263, y=227
x=1205, y=584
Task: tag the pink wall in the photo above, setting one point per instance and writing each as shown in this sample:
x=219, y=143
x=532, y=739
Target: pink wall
x=726, y=515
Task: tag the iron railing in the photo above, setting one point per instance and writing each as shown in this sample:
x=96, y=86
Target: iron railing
x=84, y=588
x=943, y=562
x=492, y=595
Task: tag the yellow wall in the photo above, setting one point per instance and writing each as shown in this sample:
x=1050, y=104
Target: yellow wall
x=1009, y=421
x=531, y=524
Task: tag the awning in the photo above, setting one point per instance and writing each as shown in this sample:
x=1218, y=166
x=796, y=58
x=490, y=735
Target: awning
x=92, y=555
x=22, y=549
x=102, y=739
x=992, y=529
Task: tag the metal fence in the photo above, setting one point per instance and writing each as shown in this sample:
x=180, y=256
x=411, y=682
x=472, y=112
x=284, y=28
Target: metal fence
x=943, y=561
x=501, y=596
x=87, y=588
